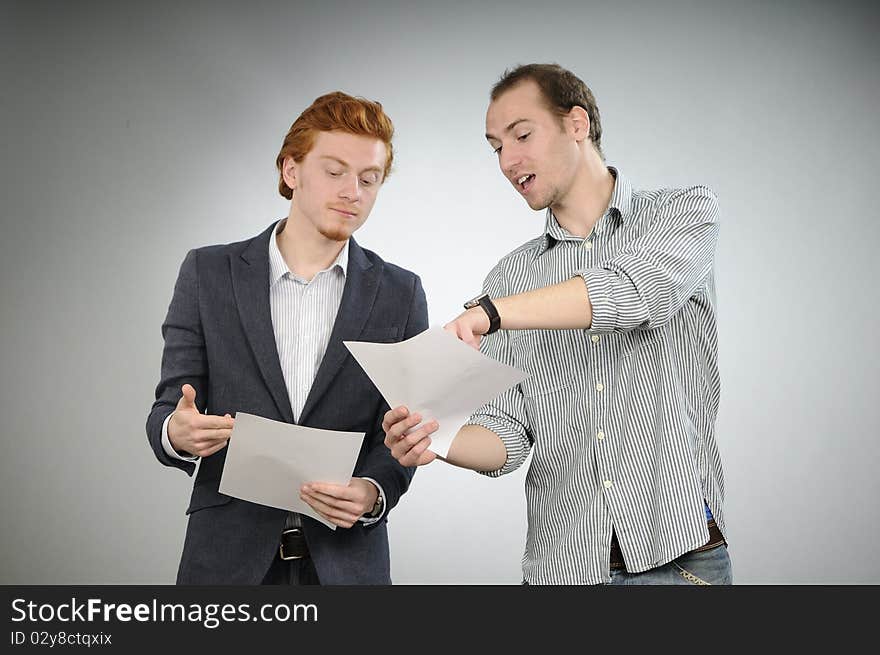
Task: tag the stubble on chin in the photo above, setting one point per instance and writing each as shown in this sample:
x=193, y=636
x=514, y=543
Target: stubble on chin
x=540, y=205
x=546, y=201
x=335, y=232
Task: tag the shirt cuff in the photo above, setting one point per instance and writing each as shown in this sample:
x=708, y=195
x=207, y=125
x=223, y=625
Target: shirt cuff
x=369, y=520
x=600, y=290
x=169, y=449
x=514, y=444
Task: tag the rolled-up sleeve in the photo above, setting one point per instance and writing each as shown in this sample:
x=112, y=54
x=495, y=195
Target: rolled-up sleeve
x=505, y=415
x=653, y=277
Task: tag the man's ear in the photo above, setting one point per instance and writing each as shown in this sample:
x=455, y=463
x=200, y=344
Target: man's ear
x=579, y=122
x=289, y=171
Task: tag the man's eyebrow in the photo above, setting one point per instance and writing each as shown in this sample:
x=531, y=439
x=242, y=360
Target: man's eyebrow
x=342, y=162
x=508, y=128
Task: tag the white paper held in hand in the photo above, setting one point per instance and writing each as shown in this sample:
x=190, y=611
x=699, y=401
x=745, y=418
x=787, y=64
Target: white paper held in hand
x=435, y=375
x=268, y=461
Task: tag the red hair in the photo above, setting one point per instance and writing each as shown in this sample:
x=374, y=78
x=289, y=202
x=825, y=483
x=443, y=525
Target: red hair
x=335, y=112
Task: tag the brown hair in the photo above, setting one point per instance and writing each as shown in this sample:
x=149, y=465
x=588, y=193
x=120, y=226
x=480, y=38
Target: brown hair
x=340, y=112
x=561, y=90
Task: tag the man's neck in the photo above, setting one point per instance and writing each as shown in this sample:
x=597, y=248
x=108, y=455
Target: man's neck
x=305, y=250
x=587, y=199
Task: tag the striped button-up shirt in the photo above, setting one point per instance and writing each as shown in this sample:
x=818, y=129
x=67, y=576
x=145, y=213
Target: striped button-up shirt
x=620, y=416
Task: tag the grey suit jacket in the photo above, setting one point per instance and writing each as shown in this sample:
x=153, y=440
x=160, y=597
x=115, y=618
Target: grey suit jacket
x=219, y=338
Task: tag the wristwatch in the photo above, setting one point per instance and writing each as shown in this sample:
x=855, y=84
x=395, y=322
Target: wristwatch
x=486, y=303
x=377, y=508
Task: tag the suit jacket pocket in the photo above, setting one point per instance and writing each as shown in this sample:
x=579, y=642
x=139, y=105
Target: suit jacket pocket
x=380, y=334
x=206, y=495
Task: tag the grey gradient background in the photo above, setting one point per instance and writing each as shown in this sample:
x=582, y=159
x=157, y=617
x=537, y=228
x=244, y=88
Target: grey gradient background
x=133, y=132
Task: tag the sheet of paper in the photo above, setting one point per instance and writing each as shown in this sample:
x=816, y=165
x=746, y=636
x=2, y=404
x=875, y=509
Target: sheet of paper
x=267, y=461
x=436, y=375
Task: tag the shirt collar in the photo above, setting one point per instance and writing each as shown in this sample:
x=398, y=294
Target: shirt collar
x=620, y=206
x=278, y=268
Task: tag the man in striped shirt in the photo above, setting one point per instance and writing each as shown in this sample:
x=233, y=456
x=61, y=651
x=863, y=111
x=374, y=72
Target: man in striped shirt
x=612, y=312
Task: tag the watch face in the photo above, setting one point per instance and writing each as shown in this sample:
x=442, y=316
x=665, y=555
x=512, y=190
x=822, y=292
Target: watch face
x=473, y=302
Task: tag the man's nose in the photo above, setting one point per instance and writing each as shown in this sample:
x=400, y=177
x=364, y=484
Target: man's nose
x=351, y=188
x=510, y=160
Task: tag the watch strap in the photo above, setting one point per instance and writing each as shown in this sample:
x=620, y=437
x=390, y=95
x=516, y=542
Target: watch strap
x=488, y=306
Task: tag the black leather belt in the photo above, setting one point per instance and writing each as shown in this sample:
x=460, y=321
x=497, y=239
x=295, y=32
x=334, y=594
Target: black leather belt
x=293, y=544
x=715, y=540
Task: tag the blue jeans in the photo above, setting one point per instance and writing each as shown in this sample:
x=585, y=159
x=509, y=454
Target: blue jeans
x=710, y=567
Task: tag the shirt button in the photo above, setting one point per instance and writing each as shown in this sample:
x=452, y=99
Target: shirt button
x=607, y=484
x=600, y=386
x=595, y=338
x=600, y=435
x=588, y=244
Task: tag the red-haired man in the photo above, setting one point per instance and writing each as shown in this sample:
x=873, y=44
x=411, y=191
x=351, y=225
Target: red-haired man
x=257, y=326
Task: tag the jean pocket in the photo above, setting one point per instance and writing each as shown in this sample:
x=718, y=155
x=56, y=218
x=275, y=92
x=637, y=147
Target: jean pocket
x=708, y=567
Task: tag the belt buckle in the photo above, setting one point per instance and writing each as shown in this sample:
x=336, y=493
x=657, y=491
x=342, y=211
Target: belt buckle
x=281, y=554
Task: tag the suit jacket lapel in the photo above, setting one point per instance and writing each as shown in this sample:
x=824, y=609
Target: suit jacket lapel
x=250, y=283
x=361, y=285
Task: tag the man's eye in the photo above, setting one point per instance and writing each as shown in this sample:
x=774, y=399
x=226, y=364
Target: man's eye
x=497, y=150
x=334, y=173
x=523, y=137
x=367, y=182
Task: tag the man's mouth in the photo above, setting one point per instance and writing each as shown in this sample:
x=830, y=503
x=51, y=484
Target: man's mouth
x=344, y=212
x=524, y=182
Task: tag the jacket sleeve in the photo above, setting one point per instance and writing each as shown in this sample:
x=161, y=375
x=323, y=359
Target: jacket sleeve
x=183, y=358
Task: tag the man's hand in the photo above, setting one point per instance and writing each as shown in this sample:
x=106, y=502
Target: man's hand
x=341, y=505
x=408, y=449
x=192, y=432
x=469, y=326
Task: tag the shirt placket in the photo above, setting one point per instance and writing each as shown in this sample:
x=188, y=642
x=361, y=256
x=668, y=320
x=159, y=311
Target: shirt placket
x=602, y=370
x=600, y=377
x=300, y=346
